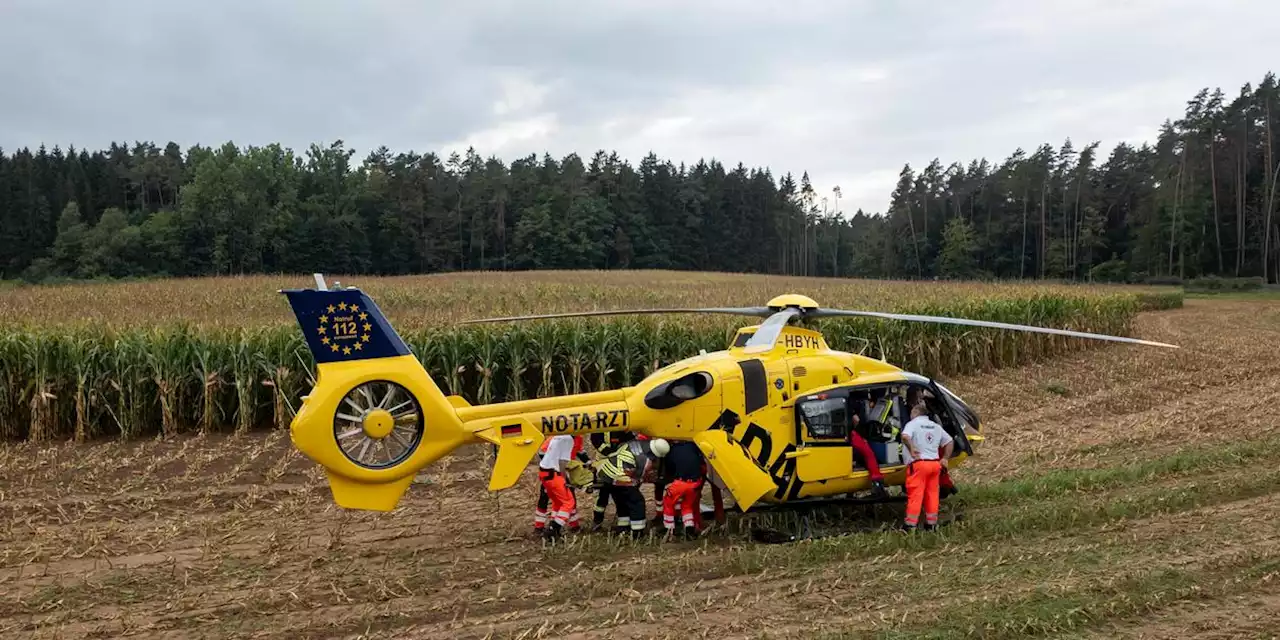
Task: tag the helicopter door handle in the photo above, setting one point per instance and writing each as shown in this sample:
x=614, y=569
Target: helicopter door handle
x=791, y=455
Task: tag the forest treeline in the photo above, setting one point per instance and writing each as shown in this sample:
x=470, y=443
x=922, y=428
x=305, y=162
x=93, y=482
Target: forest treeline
x=1198, y=201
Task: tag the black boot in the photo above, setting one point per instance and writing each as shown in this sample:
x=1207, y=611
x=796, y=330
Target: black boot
x=691, y=533
x=553, y=531
x=878, y=490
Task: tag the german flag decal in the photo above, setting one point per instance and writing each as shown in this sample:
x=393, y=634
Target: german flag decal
x=511, y=430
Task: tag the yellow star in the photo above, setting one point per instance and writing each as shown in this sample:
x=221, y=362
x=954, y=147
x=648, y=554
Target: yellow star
x=324, y=340
x=365, y=337
x=354, y=308
x=324, y=319
x=330, y=308
x=346, y=351
x=334, y=347
x=342, y=305
x=364, y=316
x=368, y=327
x=321, y=330
x=358, y=346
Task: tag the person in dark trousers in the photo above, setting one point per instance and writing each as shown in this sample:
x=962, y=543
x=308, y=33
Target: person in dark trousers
x=622, y=473
x=606, y=444
x=660, y=478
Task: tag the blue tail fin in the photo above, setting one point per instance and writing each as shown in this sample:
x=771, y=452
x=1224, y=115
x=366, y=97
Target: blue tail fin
x=343, y=325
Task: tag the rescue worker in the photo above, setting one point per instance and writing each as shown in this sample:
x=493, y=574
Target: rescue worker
x=622, y=473
x=660, y=479
x=540, y=513
x=882, y=418
x=862, y=451
x=686, y=469
x=946, y=486
x=607, y=444
x=930, y=447
x=552, y=474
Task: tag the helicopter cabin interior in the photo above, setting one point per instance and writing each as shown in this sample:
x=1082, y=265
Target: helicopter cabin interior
x=824, y=419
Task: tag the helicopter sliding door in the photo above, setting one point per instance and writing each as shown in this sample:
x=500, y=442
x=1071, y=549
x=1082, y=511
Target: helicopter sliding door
x=823, y=421
x=822, y=442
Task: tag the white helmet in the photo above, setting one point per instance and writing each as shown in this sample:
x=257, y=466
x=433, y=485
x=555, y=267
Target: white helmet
x=659, y=447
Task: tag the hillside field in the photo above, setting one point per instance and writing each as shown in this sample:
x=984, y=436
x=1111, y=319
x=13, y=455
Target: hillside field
x=1123, y=492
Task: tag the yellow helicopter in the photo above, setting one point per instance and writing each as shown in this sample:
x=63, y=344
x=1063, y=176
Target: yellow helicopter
x=770, y=413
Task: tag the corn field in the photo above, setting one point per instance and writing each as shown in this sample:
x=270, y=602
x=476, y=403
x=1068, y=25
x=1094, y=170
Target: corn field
x=164, y=357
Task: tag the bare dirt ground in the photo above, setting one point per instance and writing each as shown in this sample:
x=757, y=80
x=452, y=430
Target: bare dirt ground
x=1124, y=492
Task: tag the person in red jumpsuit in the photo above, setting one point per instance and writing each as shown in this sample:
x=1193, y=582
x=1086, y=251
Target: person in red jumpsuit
x=862, y=452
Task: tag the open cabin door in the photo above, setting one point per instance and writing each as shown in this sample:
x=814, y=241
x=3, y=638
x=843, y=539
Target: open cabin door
x=958, y=419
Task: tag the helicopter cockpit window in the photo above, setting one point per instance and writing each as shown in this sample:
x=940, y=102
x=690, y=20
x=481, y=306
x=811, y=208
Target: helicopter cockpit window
x=826, y=418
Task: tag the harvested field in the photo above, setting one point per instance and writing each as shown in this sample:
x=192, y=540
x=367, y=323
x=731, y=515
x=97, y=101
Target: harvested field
x=1123, y=492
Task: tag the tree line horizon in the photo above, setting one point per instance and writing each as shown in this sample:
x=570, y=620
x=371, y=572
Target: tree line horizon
x=1198, y=201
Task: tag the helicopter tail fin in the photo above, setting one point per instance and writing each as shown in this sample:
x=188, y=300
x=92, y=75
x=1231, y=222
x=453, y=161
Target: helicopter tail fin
x=374, y=417
x=342, y=325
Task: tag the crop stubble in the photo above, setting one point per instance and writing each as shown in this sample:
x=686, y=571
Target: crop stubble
x=214, y=536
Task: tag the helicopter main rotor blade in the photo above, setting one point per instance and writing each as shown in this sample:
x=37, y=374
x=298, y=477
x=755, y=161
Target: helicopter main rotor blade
x=829, y=313
x=759, y=312
x=764, y=337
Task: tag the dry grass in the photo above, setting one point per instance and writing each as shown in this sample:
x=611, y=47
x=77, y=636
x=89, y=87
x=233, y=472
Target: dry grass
x=1117, y=510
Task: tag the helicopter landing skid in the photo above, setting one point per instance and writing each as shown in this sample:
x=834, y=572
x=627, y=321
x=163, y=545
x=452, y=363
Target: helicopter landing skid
x=804, y=531
x=799, y=505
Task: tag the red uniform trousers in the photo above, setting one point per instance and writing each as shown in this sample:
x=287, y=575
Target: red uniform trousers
x=540, y=513
x=922, y=488
x=686, y=495
x=564, y=509
x=862, y=450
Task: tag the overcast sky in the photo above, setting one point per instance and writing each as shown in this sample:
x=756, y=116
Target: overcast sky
x=849, y=91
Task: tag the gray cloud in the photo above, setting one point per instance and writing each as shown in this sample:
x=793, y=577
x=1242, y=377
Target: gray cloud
x=846, y=90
